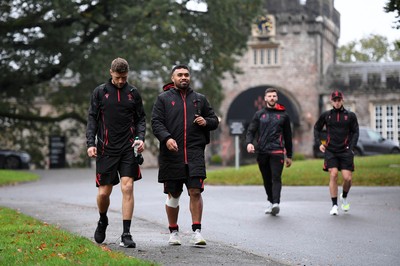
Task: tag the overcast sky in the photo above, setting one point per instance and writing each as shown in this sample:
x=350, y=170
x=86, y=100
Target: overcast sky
x=360, y=18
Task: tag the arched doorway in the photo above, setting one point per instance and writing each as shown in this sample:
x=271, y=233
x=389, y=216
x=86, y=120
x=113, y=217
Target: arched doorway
x=247, y=103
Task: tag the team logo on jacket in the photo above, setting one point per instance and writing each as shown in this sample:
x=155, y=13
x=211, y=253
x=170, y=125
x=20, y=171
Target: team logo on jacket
x=345, y=117
x=173, y=103
x=278, y=116
x=130, y=97
x=263, y=116
x=106, y=95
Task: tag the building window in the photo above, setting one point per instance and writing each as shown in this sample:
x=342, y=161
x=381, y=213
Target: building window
x=262, y=56
x=387, y=120
x=266, y=56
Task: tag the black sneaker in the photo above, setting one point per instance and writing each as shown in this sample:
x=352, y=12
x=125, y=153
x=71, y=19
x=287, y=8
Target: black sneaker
x=126, y=241
x=100, y=233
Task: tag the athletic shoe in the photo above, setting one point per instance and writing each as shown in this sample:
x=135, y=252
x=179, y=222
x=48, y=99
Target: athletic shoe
x=197, y=240
x=126, y=241
x=345, y=204
x=334, y=210
x=100, y=233
x=275, y=209
x=174, y=239
x=268, y=210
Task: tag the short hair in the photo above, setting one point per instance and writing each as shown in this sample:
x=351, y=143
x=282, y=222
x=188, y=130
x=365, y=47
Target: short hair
x=271, y=90
x=119, y=65
x=179, y=67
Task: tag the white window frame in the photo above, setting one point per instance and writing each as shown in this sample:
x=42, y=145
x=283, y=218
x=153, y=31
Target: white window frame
x=385, y=118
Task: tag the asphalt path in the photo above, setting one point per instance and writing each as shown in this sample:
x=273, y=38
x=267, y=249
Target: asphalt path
x=234, y=224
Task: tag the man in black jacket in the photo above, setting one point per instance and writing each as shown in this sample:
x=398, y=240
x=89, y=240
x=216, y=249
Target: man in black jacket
x=272, y=124
x=116, y=117
x=342, y=136
x=182, y=120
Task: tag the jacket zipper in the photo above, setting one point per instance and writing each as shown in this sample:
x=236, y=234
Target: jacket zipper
x=184, y=127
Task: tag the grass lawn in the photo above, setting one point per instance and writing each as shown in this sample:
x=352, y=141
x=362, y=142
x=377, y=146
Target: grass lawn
x=26, y=241
x=381, y=170
x=10, y=177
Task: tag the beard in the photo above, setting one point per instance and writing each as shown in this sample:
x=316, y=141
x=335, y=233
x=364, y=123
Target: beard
x=271, y=104
x=183, y=86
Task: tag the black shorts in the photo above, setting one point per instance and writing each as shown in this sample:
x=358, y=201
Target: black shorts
x=175, y=186
x=341, y=161
x=109, y=169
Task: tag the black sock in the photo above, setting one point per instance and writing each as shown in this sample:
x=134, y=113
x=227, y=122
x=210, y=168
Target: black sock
x=173, y=228
x=334, y=201
x=103, y=217
x=345, y=194
x=196, y=226
x=127, y=225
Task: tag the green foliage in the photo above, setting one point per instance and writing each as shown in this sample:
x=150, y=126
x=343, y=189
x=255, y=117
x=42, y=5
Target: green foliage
x=59, y=51
x=26, y=241
x=394, y=6
x=216, y=159
x=382, y=170
x=374, y=48
x=298, y=157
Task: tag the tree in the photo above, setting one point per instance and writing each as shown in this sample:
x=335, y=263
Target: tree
x=374, y=48
x=59, y=51
x=393, y=6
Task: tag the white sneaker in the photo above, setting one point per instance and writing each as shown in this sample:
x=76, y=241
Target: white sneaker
x=345, y=204
x=275, y=209
x=197, y=240
x=268, y=210
x=174, y=239
x=334, y=210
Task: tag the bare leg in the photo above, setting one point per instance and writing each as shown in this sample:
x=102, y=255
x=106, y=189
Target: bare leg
x=196, y=205
x=172, y=213
x=103, y=197
x=333, y=178
x=127, y=197
x=347, y=176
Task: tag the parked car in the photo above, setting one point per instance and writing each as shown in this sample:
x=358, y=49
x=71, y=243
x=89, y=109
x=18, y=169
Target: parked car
x=10, y=159
x=370, y=142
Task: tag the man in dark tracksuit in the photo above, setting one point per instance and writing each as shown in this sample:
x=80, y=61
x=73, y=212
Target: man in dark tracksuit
x=116, y=117
x=181, y=121
x=272, y=124
x=342, y=136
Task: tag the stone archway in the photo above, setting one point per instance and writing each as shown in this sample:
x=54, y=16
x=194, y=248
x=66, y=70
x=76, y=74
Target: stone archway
x=251, y=100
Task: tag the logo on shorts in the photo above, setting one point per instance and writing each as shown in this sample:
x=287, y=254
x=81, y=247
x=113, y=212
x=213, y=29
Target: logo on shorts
x=98, y=178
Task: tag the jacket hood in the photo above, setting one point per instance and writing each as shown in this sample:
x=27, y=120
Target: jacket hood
x=278, y=107
x=168, y=86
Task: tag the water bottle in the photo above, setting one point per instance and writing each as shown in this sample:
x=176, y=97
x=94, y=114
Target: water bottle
x=135, y=147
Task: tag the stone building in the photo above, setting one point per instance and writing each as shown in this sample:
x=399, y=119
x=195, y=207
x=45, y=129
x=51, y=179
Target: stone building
x=292, y=48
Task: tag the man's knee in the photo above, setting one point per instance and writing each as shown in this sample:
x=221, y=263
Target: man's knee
x=127, y=185
x=195, y=192
x=172, y=201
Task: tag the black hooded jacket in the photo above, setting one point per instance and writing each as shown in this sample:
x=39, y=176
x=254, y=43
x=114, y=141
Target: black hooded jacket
x=341, y=128
x=116, y=117
x=274, y=132
x=172, y=117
